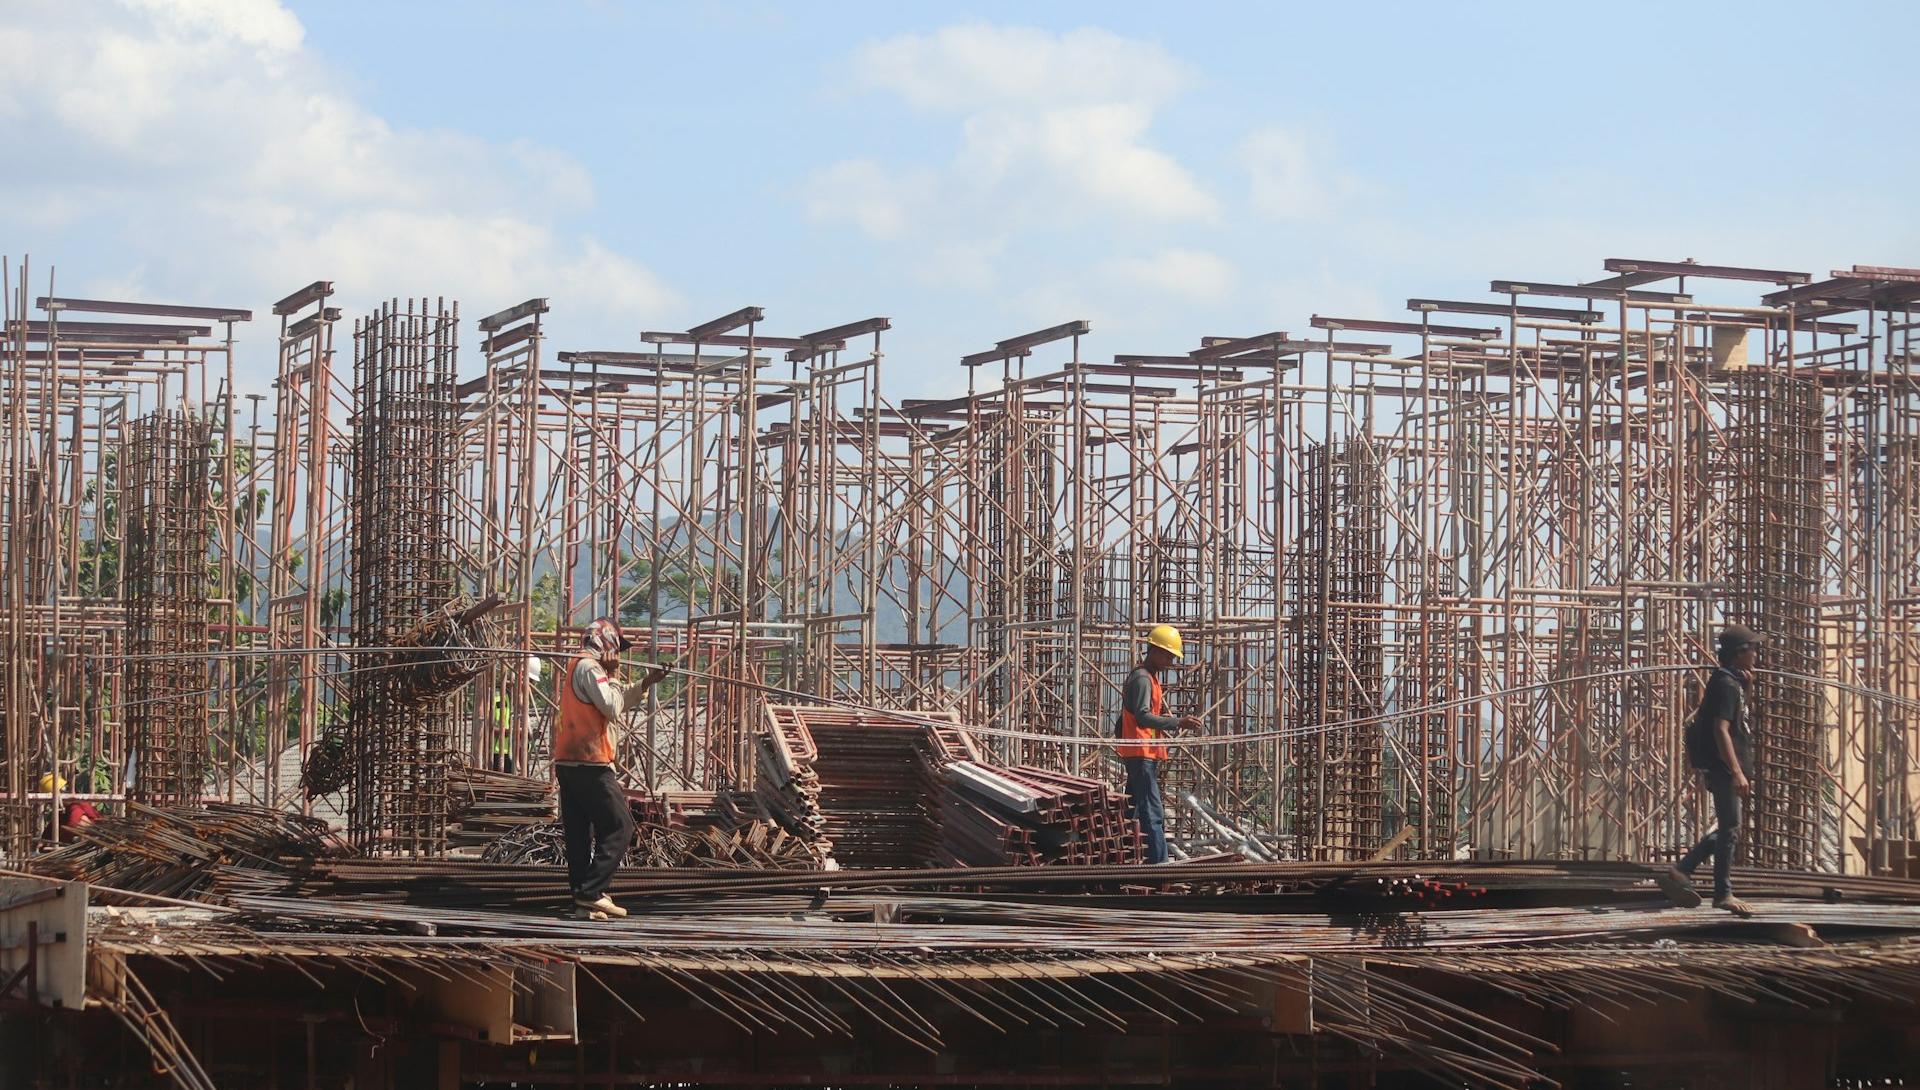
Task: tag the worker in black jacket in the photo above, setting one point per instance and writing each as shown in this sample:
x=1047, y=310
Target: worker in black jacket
x=1720, y=747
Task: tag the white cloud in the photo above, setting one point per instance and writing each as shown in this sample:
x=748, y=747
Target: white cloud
x=1088, y=153
x=1282, y=180
x=1051, y=128
x=883, y=204
x=225, y=161
x=1190, y=275
x=961, y=69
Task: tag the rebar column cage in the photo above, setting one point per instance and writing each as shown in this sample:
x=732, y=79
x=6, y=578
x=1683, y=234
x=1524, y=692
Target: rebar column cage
x=1339, y=570
x=1774, y=525
x=403, y=570
x=169, y=507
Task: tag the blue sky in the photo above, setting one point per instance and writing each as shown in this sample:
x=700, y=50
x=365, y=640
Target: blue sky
x=970, y=171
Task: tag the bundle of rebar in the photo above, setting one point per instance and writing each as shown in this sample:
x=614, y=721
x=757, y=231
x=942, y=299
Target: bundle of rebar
x=757, y=846
x=434, y=658
x=175, y=850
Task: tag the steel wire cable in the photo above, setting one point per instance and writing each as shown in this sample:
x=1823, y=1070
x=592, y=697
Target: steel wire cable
x=1177, y=741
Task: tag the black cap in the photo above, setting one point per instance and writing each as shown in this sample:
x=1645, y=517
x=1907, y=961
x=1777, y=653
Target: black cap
x=1738, y=637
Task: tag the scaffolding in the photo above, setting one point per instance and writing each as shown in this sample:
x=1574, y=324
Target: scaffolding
x=1502, y=530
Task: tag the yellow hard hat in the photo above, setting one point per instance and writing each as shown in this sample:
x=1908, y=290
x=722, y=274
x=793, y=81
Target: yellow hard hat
x=46, y=782
x=1166, y=638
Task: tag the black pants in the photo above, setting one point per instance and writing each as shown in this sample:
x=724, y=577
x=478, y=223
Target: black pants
x=598, y=826
x=1721, y=842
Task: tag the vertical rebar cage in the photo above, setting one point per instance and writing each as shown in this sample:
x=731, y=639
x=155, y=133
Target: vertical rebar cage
x=169, y=508
x=1340, y=568
x=1774, y=466
x=402, y=560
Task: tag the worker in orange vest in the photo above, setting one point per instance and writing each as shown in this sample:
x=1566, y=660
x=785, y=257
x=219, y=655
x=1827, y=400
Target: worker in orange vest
x=594, y=816
x=1143, y=706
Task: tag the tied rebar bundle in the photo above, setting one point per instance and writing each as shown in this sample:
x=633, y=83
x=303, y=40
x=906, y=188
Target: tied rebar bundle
x=443, y=652
x=433, y=659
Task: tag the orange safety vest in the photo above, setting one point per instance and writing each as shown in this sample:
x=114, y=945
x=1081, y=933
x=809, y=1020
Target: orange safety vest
x=581, y=733
x=1131, y=728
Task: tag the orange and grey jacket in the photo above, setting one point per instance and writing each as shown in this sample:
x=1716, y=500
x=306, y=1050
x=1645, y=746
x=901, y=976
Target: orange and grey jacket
x=1143, y=706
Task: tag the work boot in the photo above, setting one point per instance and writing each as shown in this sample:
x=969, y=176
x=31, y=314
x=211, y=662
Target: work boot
x=1733, y=904
x=604, y=905
x=1678, y=888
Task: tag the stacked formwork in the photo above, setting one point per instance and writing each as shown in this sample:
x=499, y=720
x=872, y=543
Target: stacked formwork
x=168, y=463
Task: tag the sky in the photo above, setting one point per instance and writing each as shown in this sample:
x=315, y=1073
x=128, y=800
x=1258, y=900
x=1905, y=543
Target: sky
x=972, y=171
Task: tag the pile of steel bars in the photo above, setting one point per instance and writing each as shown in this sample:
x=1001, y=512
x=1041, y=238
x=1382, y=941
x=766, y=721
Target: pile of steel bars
x=175, y=851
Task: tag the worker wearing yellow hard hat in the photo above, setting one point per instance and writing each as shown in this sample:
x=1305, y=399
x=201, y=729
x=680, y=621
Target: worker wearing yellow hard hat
x=48, y=782
x=1143, y=718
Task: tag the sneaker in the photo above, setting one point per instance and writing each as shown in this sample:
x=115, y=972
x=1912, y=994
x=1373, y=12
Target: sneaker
x=603, y=905
x=1678, y=889
x=1734, y=905
x=587, y=912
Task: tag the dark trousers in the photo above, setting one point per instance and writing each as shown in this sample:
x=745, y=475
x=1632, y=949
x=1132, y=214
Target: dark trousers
x=597, y=823
x=1143, y=787
x=1722, y=840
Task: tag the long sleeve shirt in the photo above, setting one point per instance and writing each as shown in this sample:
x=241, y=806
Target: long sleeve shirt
x=593, y=684
x=1137, y=697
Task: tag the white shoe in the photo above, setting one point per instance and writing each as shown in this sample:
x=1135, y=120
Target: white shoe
x=604, y=906
x=587, y=912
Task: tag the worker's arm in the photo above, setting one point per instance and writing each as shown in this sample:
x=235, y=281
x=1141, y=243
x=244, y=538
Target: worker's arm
x=1723, y=739
x=631, y=696
x=1137, y=698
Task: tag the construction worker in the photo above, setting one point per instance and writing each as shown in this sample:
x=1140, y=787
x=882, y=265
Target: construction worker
x=594, y=816
x=75, y=814
x=502, y=760
x=1720, y=748
x=1143, y=717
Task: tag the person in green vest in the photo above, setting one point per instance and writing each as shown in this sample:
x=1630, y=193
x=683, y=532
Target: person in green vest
x=502, y=760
